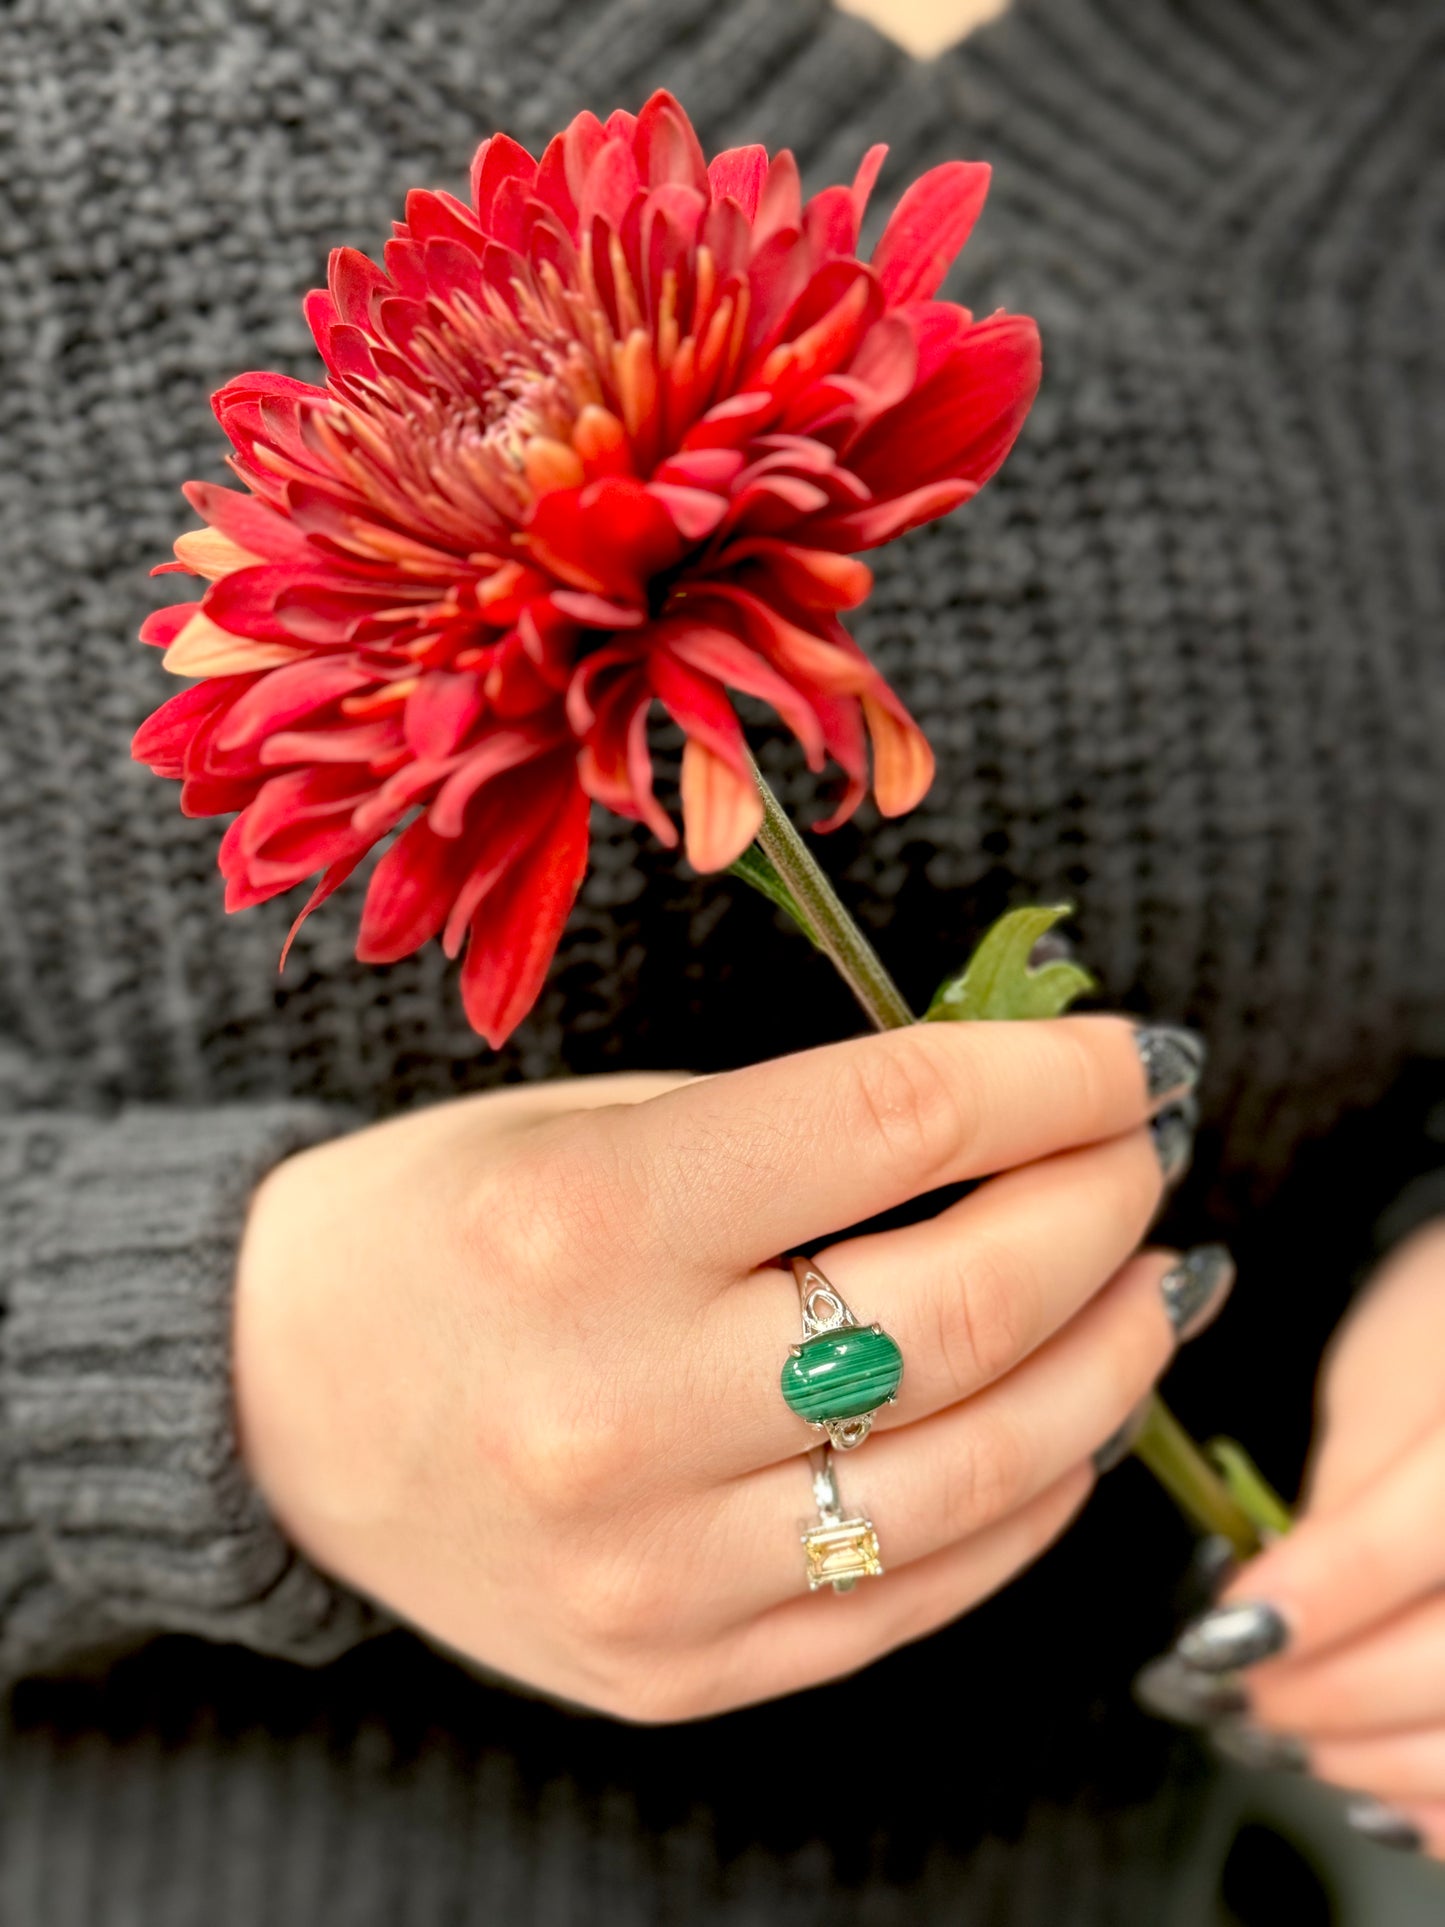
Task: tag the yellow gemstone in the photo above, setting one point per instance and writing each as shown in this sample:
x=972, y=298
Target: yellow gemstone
x=842, y=1554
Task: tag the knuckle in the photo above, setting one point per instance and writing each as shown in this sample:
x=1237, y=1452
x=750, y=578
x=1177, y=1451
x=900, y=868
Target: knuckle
x=619, y=1607
x=1085, y=1074
x=553, y=1204
x=984, y=1315
x=576, y=1467
x=986, y=1481
x=900, y=1101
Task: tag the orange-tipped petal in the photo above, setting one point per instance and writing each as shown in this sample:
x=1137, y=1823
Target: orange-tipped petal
x=721, y=811
x=902, y=760
x=209, y=553
x=204, y=649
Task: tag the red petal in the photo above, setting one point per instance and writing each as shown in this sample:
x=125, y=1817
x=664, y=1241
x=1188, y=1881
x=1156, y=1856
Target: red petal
x=581, y=143
x=699, y=705
x=611, y=182
x=610, y=537
x=410, y=893
x=732, y=423
x=695, y=512
x=667, y=147
x=843, y=728
x=331, y=881
x=253, y=525
x=440, y=712
x=721, y=810
x=378, y=746
x=615, y=766
x=162, y=626
x=727, y=657
x=499, y=751
x=866, y=528
x=865, y=180
x=353, y=282
x=162, y=739
x=830, y=221
x=440, y=216
x=498, y=160
x=832, y=664
x=515, y=933
x=780, y=204
x=817, y=578
x=963, y=421
x=738, y=174
x=927, y=228
x=282, y=696
x=594, y=611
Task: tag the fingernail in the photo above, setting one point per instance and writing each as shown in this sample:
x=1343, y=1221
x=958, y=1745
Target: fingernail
x=1171, y=1690
x=1384, y=1825
x=1117, y=1447
x=1261, y=1752
x=1232, y=1636
x=1173, y=1133
x=1214, y=1564
x=1173, y=1060
x=1196, y=1287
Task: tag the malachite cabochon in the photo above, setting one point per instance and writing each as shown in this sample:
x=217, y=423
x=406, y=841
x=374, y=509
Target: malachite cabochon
x=842, y=1374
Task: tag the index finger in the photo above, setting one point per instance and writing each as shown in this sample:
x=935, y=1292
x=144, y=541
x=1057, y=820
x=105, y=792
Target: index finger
x=759, y=1161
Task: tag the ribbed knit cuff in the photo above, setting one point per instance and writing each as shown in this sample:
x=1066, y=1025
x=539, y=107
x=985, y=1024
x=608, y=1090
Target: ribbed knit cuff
x=124, y=1506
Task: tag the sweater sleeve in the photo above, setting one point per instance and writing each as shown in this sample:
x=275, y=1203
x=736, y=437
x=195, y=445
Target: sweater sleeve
x=124, y=1506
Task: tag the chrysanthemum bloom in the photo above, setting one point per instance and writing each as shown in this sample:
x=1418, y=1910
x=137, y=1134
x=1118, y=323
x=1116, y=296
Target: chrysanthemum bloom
x=608, y=436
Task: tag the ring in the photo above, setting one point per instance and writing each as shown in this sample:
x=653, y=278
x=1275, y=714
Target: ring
x=839, y=1551
x=842, y=1372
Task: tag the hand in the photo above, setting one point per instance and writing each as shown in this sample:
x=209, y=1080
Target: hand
x=510, y=1366
x=1353, y=1600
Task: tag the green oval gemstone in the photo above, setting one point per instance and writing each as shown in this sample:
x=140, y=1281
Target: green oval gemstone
x=842, y=1374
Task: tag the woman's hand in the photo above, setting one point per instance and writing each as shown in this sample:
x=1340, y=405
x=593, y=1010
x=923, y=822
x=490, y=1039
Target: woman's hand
x=1353, y=1601
x=511, y=1365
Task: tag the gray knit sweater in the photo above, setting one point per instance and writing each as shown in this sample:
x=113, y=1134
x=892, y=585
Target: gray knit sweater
x=1182, y=662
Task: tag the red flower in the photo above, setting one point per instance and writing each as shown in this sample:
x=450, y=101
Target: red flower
x=606, y=437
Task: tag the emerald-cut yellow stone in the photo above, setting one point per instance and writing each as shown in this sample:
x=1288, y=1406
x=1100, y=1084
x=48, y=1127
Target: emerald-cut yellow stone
x=842, y=1374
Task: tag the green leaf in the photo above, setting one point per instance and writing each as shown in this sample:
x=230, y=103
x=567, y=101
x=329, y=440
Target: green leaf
x=998, y=983
x=1251, y=1491
x=755, y=869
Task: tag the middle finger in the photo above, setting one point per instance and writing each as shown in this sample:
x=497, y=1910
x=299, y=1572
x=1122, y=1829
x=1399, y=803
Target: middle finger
x=968, y=1295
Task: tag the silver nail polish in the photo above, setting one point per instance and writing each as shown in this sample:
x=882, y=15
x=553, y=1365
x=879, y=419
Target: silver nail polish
x=1173, y=1133
x=1117, y=1447
x=1171, y=1690
x=1195, y=1287
x=1173, y=1060
x=1213, y=1565
x=1250, y=1746
x=1232, y=1636
x=1384, y=1825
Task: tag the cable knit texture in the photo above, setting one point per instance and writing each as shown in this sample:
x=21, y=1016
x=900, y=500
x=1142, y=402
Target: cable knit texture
x=1181, y=663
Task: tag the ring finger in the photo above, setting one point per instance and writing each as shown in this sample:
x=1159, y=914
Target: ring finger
x=928, y=1486
x=967, y=1295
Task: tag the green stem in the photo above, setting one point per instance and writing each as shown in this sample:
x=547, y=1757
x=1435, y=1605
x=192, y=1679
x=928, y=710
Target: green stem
x=1191, y=1481
x=834, y=931
x=1163, y=1444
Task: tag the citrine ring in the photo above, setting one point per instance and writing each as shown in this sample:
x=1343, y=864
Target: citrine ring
x=839, y=1551
x=842, y=1371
